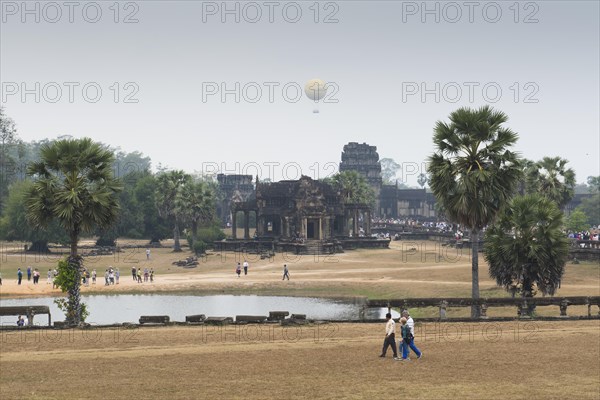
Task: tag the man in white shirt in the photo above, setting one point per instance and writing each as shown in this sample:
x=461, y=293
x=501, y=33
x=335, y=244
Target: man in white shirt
x=245, y=267
x=411, y=324
x=390, y=336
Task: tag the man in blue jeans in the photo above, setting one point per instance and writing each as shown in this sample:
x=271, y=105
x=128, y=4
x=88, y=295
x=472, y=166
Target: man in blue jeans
x=411, y=325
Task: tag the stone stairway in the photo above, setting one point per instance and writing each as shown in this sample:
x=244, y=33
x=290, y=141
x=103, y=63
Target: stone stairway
x=313, y=247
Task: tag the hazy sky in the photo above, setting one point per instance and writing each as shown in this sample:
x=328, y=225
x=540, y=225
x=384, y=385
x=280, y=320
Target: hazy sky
x=191, y=87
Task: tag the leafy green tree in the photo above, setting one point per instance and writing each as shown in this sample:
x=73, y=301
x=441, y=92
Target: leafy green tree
x=154, y=225
x=354, y=187
x=526, y=247
x=196, y=205
x=473, y=173
x=389, y=169
x=129, y=164
x=14, y=224
x=590, y=206
x=8, y=137
x=593, y=184
x=74, y=185
x=553, y=179
x=577, y=221
x=169, y=185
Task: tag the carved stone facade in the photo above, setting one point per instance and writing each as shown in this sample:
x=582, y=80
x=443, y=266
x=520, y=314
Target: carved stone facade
x=363, y=159
x=411, y=203
x=302, y=209
x=233, y=188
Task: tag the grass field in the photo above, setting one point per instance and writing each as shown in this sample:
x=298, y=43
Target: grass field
x=534, y=360
x=516, y=360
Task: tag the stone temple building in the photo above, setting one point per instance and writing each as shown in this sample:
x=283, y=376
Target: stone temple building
x=232, y=188
x=301, y=209
x=391, y=202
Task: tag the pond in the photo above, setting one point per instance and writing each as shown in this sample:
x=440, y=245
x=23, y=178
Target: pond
x=119, y=308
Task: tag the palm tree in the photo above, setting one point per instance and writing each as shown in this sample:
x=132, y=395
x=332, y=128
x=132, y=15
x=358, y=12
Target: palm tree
x=526, y=246
x=473, y=173
x=354, y=186
x=74, y=184
x=550, y=177
x=196, y=204
x=168, y=187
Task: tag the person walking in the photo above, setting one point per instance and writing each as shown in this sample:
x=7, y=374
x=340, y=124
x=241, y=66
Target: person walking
x=404, y=339
x=19, y=276
x=147, y=253
x=0, y=278
x=133, y=273
x=286, y=272
x=238, y=269
x=411, y=343
x=49, y=277
x=246, y=267
x=94, y=275
x=117, y=275
x=28, y=273
x=390, y=336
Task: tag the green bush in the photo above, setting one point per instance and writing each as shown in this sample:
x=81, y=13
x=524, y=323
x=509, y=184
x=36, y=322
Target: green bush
x=199, y=247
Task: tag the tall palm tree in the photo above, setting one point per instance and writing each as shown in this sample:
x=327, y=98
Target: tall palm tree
x=553, y=179
x=196, y=204
x=473, y=173
x=525, y=246
x=169, y=185
x=74, y=184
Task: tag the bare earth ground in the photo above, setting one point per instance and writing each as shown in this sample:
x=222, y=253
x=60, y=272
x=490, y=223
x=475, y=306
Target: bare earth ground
x=534, y=360
x=516, y=360
x=407, y=269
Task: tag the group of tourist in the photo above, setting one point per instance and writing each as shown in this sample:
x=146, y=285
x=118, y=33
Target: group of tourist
x=407, y=341
x=584, y=235
x=111, y=275
x=147, y=274
x=31, y=273
x=246, y=265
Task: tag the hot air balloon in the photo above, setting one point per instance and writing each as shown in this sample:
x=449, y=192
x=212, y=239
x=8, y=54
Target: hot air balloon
x=315, y=90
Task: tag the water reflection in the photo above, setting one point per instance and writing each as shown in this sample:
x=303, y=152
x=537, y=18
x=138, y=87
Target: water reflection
x=119, y=308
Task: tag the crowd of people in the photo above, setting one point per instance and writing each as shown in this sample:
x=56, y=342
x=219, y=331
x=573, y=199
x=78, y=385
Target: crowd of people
x=584, y=235
x=111, y=276
x=147, y=274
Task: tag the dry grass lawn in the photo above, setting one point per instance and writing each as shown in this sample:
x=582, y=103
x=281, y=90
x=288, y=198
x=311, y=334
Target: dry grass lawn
x=534, y=360
x=516, y=360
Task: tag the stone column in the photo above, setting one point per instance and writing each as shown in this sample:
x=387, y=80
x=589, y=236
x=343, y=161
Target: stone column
x=355, y=227
x=368, y=224
x=320, y=228
x=286, y=227
x=246, y=225
x=443, y=306
x=234, y=224
x=260, y=229
x=563, y=307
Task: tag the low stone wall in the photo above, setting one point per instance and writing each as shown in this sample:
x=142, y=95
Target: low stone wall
x=524, y=306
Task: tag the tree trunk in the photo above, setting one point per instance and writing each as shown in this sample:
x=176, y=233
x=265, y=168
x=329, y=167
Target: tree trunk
x=528, y=292
x=194, y=233
x=74, y=300
x=177, y=245
x=74, y=297
x=475, y=310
